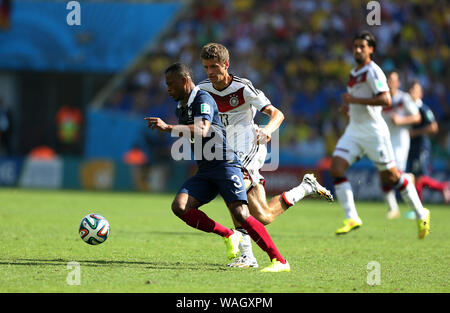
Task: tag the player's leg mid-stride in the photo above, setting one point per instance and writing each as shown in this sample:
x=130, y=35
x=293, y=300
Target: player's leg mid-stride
x=267, y=211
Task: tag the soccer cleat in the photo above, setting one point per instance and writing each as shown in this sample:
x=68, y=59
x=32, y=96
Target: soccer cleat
x=276, y=266
x=394, y=214
x=424, y=226
x=244, y=261
x=232, y=244
x=317, y=188
x=349, y=225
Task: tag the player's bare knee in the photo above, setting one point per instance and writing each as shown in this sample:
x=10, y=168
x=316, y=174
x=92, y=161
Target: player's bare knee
x=390, y=177
x=239, y=211
x=178, y=208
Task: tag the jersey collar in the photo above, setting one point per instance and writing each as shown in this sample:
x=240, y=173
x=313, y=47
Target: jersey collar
x=191, y=97
x=355, y=72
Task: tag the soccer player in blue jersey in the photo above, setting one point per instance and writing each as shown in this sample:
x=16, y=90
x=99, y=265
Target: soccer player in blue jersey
x=219, y=169
x=419, y=158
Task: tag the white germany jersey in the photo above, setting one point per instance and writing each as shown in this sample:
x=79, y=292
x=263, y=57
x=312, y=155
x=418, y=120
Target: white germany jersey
x=237, y=104
x=403, y=105
x=366, y=82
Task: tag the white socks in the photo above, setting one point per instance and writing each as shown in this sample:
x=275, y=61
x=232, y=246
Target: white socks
x=391, y=200
x=245, y=246
x=298, y=193
x=344, y=194
x=409, y=194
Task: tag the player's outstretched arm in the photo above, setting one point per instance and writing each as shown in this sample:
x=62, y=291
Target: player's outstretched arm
x=199, y=128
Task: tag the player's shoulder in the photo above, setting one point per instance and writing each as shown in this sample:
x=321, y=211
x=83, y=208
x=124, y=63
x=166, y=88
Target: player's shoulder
x=246, y=83
x=204, y=96
x=375, y=70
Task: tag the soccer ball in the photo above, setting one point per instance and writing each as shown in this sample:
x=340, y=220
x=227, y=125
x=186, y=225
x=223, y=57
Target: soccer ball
x=94, y=229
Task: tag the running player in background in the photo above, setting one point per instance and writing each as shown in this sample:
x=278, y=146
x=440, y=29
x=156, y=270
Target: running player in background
x=368, y=134
x=199, y=120
x=419, y=158
x=399, y=116
x=237, y=101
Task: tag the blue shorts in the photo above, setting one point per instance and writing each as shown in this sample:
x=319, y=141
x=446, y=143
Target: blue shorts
x=419, y=162
x=225, y=180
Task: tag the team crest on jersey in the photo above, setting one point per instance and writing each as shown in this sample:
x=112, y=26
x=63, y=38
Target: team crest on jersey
x=234, y=100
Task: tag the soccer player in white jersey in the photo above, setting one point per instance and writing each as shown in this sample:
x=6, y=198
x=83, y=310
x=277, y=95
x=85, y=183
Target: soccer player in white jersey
x=399, y=116
x=368, y=134
x=238, y=101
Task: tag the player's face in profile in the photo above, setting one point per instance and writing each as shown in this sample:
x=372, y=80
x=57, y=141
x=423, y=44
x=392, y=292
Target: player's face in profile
x=416, y=92
x=215, y=70
x=175, y=86
x=393, y=81
x=361, y=50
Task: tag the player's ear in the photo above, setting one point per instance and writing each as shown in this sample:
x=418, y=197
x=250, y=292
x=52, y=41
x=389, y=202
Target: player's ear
x=227, y=64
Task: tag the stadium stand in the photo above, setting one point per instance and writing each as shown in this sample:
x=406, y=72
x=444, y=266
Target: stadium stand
x=298, y=53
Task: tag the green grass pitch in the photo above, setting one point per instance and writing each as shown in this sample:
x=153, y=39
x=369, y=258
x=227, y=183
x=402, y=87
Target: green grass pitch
x=150, y=250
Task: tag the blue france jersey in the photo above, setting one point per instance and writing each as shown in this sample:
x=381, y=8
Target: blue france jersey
x=214, y=149
x=423, y=141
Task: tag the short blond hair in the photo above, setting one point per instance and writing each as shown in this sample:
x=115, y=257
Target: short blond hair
x=214, y=50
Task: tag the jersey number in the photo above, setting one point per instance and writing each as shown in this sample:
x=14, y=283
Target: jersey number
x=238, y=183
x=224, y=119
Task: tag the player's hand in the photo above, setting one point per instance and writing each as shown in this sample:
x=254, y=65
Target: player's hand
x=344, y=109
x=395, y=118
x=346, y=98
x=156, y=123
x=263, y=136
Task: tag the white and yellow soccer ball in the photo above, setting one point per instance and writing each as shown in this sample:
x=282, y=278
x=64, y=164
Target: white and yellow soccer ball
x=94, y=229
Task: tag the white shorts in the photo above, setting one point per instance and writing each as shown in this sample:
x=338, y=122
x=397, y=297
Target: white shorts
x=377, y=148
x=253, y=162
x=400, y=144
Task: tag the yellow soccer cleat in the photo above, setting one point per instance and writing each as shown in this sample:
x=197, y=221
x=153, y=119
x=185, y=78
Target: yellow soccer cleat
x=349, y=225
x=232, y=244
x=276, y=267
x=424, y=226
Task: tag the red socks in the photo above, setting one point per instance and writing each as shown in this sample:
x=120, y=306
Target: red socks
x=259, y=234
x=198, y=219
x=427, y=181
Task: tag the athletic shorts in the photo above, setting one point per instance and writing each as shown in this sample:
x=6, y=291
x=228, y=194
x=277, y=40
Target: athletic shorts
x=225, y=180
x=377, y=148
x=400, y=144
x=419, y=162
x=253, y=162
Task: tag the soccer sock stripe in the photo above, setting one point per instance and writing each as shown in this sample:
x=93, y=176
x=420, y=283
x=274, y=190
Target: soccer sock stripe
x=199, y=220
x=339, y=180
x=259, y=234
x=242, y=230
x=283, y=196
x=386, y=188
x=402, y=183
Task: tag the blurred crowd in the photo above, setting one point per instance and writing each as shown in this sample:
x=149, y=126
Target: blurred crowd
x=300, y=54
